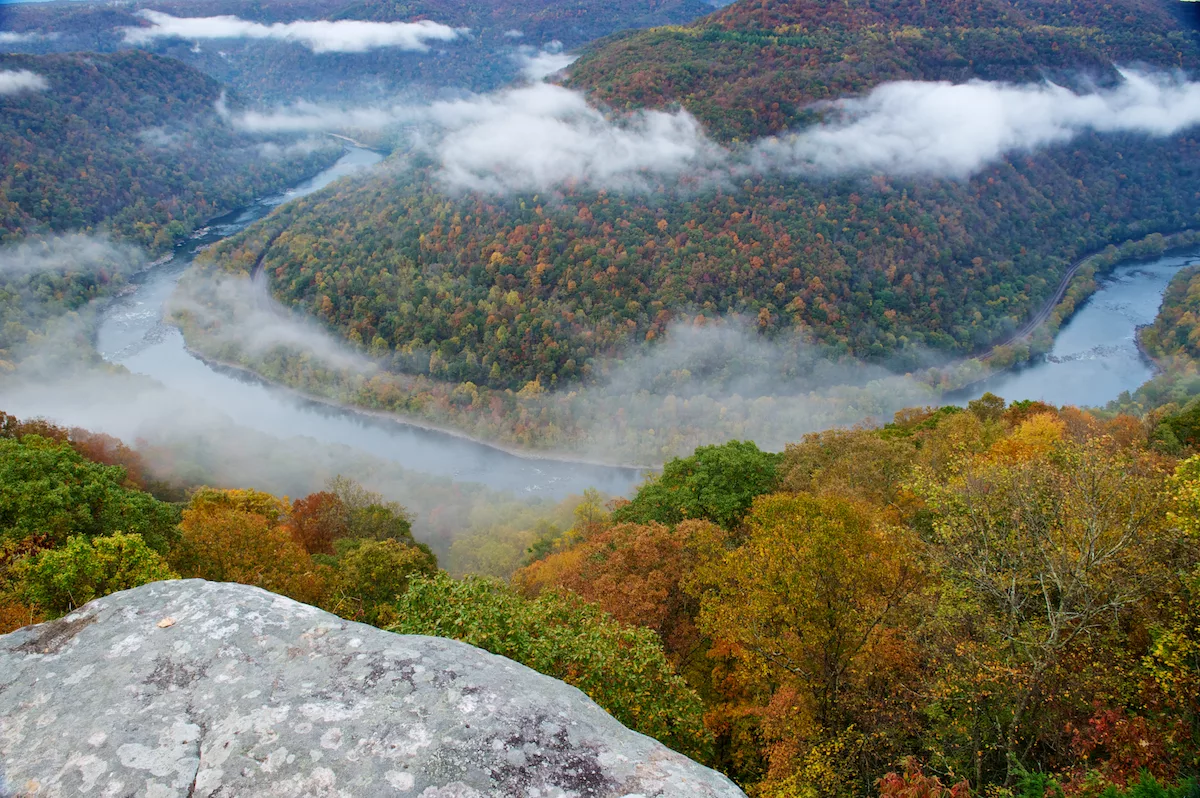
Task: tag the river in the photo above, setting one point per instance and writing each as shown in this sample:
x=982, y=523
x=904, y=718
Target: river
x=132, y=332
x=1094, y=359
x=1095, y=355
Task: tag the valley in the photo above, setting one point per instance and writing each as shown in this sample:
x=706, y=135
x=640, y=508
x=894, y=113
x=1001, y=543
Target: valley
x=815, y=387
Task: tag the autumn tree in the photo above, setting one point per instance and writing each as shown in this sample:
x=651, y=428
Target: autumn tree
x=635, y=572
x=237, y=536
x=1042, y=541
x=806, y=602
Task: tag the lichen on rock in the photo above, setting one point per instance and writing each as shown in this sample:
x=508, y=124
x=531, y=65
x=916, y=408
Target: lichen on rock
x=247, y=693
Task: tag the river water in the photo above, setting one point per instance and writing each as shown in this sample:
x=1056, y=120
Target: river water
x=1094, y=359
x=1095, y=356
x=131, y=332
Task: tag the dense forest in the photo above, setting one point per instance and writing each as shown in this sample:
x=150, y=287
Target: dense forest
x=131, y=144
x=285, y=71
x=997, y=600
x=754, y=68
x=481, y=297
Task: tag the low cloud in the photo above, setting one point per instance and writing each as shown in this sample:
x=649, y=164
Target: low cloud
x=14, y=81
x=13, y=37
x=240, y=317
x=73, y=252
x=947, y=130
x=513, y=33
x=320, y=36
x=543, y=136
x=540, y=64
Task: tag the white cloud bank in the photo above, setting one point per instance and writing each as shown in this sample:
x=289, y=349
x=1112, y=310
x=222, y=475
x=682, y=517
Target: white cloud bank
x=946, y=130
x=320, y=36
x=540, y=64
x=523, y=139
x=13, y=37
x=541, y=136
x=13, y=81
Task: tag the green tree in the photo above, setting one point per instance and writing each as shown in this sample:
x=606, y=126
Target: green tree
x=716, y=483
x=371, y=575
x=62, y=579
x=622, y=668
x=48, y=489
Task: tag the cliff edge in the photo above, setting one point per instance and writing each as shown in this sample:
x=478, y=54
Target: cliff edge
x=194, y=688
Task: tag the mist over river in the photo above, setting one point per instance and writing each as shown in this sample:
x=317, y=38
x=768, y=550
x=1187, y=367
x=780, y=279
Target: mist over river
x=131, y=332
x=1093, y=360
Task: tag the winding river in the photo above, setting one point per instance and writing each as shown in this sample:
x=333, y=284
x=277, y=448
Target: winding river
x=1095, y=356
x=1094, y=359
x=131, y=332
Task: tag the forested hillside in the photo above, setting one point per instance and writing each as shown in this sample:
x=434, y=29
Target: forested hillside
x=285, y=71
x=753, y=68
x=131, y=144
x=997, y=601
x=504, y=290
x=499, y=291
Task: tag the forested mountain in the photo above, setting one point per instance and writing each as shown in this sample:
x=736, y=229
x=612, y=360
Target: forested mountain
x=489, y=291
x=752, y=68
x=283, y=71
x=130, y=143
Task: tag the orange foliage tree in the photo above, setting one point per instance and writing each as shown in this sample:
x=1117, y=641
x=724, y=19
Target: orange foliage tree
x=236, y=536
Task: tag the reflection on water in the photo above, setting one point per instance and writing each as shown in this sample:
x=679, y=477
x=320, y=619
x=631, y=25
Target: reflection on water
x=1095, y=356
x=132, y=333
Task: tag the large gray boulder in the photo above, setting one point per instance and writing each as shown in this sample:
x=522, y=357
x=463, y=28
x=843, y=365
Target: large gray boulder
x=194, y=688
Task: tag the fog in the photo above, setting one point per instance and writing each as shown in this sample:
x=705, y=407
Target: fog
x=947, y=130
x=12, y=37
x=540, y=64
x=74, y=252
x=240, y=316
x=542, y=136
x=13, y=81
x=320, y=36
x=710, y=384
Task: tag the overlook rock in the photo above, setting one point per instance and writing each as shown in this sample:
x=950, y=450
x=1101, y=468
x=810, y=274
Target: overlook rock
x=194, y=688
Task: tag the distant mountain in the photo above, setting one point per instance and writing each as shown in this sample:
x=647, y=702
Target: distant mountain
x=281, y=71
x=127, y=142
x=752, y=68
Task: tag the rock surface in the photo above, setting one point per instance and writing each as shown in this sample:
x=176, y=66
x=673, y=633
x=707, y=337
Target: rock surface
x=248, y=694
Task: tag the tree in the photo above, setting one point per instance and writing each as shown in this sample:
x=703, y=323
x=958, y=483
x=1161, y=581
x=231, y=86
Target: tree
x=370, y=576
x=635, y=572
x=805, y=597
x=366, y=515
x=621, y=668
x=46, y=488
x=62, y=579
x=317, y=520
x=716, y=483
x=1042, y=541
x=235, y=536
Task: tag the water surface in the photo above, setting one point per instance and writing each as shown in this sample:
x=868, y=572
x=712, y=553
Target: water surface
x=1095, y=356
x=132, y=333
